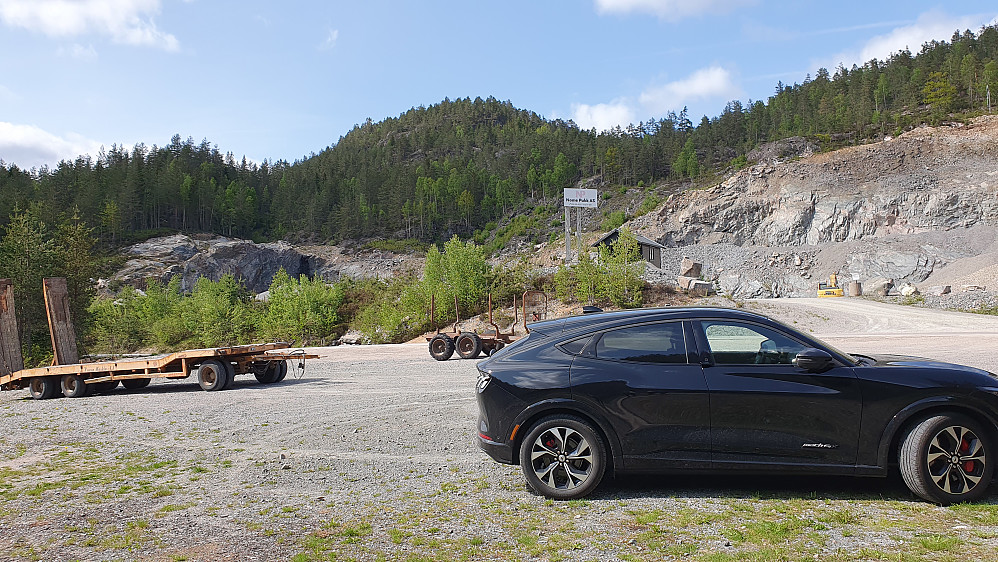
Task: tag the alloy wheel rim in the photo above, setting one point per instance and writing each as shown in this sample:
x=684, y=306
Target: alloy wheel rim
x=956, y=460
x=561, y=458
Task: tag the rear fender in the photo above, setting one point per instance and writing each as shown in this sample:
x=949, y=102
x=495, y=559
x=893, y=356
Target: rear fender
x=527, y=417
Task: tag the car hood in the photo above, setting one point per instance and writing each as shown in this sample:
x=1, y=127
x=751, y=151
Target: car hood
x=908, y=361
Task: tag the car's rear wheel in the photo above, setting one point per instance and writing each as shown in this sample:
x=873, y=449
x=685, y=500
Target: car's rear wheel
x=944, y=459
x=563, y=457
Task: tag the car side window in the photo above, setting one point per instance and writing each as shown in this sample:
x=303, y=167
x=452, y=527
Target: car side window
x=734, y=343
x=575, y=346
x=648, y=343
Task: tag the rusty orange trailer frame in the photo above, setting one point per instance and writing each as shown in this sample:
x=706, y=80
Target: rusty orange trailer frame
x=244, y=359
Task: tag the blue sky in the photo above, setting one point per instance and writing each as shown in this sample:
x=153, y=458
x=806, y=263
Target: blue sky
x=280, y=80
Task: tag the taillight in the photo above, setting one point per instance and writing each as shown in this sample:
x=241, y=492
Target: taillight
x=484, y=377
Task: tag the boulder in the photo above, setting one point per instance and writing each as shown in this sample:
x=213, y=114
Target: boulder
x=685, y=282
x=879, y=287
x=701, y=289
x=690, y=268
x=908, y=290
x=938, y=290
x=180, y=256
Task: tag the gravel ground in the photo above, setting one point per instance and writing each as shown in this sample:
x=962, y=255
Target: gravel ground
x=371, y=455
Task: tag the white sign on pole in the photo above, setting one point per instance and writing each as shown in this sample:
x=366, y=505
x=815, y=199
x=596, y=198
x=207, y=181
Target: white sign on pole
x=581, y=198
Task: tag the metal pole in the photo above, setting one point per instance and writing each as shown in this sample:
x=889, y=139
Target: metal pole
x=578, y=228
x=568, y=236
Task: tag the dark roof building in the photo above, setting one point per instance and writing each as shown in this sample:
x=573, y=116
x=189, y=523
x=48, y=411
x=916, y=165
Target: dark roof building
x=651, y=251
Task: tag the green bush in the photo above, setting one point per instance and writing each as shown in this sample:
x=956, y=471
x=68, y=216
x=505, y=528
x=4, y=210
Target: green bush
x=649, y=204
x=614, y=277
x=301, y=310
x=613, y=220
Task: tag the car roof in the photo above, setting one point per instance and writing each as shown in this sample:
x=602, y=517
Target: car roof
x=596, y=320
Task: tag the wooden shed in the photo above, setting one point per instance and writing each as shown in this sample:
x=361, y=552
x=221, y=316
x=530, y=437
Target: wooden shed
x=651, y=251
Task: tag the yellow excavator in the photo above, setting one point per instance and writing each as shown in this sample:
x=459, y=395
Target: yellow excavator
x=830, y=289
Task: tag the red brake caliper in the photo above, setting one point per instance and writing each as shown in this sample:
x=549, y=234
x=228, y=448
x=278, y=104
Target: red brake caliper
x=964, y=447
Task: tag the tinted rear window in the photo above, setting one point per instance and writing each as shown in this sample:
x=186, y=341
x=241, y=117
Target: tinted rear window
x=648, y=343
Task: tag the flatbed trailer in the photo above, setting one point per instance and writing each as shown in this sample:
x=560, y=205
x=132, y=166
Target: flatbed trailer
x=215, y=368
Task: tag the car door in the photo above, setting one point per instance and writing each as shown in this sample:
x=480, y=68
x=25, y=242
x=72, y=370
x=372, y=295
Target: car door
x=766, y=410
x=648, y=382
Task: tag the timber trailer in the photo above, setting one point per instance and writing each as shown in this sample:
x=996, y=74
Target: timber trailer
x=215, y=368
x=471, y=344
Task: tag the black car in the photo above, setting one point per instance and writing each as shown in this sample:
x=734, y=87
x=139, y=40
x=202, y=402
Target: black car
x=698, y=389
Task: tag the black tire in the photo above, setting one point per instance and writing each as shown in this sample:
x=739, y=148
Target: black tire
x=212, y=375
x=43, y=388
x=105, y=387
x=230, y=373
x=74, y=386
x=282, y=371
x=135, y=384
x=945, y=459
x=469, y=345
x=269, y=373
x=441, y=347
x=563, y=457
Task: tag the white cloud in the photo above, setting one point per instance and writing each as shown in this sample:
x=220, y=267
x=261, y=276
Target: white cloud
x=125, y=21
x=603, y=116
x=928, y=26
x=713, y=83
x=331, y=38
x=670, y=10
x=706, y=83
x=29, y=146
x=79, y=52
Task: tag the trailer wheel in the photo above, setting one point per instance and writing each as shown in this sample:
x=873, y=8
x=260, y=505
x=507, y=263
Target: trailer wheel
x=270, y=373
x=282, y=370
x=212, y=375
x=469, y=346
x=43, y=388
x=74, y=386
x=135, y=384
x=441, y=347
x=230, y=374
x=105, y=387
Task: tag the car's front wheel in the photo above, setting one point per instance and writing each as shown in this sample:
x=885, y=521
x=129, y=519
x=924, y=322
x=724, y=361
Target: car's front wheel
x=563, y=457
x=945, y=459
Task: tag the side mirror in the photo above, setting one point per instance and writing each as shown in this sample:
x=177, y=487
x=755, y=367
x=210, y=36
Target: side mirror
x=591, y=309
x=814, y=360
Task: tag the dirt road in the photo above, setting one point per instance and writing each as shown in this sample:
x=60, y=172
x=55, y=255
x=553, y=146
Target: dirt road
x=864, y=326
x=371, y=455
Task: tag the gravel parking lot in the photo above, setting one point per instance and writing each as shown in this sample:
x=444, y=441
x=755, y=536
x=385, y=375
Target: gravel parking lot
x=371, y=455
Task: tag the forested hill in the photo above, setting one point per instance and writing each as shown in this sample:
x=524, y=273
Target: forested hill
x=459, y=165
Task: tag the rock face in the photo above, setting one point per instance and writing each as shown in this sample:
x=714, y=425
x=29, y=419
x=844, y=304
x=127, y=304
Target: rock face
x=179, y=255
x=864, y=212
